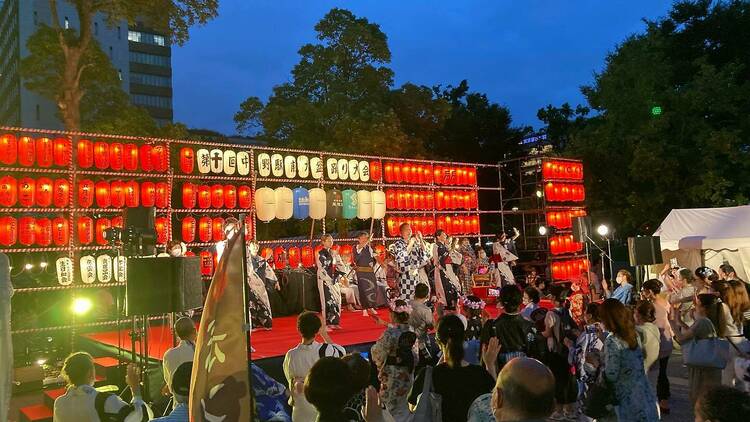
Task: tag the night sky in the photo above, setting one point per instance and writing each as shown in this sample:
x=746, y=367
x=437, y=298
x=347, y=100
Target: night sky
x=523, y=53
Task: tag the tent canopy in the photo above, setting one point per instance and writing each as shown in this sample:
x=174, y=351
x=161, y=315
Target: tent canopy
x=706, y=228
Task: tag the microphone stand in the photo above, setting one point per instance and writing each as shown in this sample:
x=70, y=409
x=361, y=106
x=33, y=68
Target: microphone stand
x=602, y=253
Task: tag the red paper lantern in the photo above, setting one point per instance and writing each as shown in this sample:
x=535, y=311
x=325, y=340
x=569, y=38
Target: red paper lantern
x=117, y=221
x=217, y=229
x=207, y=263
x=266, y=253
x=8, y=149
x=101, y=155
x=43, y=193
x=26, y=151
x=388, y=172
x=204, y=196
x=278, y=258
x=8, y=191
x=102, y=224
x=398, y=174
x=440, y=200
x=294, y=257
x=116, y=156
x=43, y=231
x=132, y=194
x=148, y=194
x=85, y=193
x=244, y=197
x=159, y=158
x=61, y=154
x=187, y=160
x=85, y=230
x=392, y=226
x=405, y=173
x=117, y=194
x=102, y=194
x=162, y=195
x=346, y=253
x=44, y=152
x=130, y=157
x=8, y=230
x=26, y=230
x=144, y=153
x=60, y=231
x=85, y=153
x=230, y=196
x=307, y=253
x=26, y=192
x=188, y=195
x=440, y=223
x=390, y=199
x=430, y=226
x=217, y=196
x=408, y=200
x=161, y=224
x=188, y=229
x=204, y=229
x=375, y=171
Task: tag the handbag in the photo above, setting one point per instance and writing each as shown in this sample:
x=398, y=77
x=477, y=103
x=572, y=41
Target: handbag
x=429, y=403
x=712, y=352
x=600, y=399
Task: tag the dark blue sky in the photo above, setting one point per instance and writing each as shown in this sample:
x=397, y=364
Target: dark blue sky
x=523, y=53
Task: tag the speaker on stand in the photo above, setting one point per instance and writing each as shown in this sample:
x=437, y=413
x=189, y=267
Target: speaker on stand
x=642, y=251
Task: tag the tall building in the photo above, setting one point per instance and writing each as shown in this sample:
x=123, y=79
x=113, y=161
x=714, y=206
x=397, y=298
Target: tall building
x=141, y=57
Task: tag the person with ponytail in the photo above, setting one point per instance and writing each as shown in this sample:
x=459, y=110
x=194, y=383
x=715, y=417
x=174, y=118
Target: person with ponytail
x=455, y=380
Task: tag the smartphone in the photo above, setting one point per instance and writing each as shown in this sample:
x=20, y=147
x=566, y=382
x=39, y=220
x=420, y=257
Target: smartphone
x=673, y=263
x=365, y=355
x=493, y=292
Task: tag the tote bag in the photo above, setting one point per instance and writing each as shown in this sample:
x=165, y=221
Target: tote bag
x=429, y=403
x=711, y=352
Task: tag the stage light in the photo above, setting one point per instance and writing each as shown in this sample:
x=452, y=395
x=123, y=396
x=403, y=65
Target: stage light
x=41, y=361
x=28, y=266
x=603, y=230
x=514, y=209
x=539, y=194
x=43, y=264
x=542, y=230
x=81, y=306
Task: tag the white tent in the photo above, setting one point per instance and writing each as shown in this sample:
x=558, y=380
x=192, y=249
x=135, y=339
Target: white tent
x=708, y=236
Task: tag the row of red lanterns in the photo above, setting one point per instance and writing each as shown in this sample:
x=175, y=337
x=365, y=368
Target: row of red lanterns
x=27, y=151
x=119, y=194
x=426, y=174
x=564, y=192
x=28, y=192
x=563, y=244
x=117, y=156
x=205, y=229
x=400, y=199
x=456, y=224
x=28, y=230
x=558, y=169
x=568, y=270
x=563, y=219
x=216, y=196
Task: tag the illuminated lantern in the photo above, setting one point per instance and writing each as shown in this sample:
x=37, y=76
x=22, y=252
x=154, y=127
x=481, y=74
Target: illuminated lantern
x=148, y=194
x=204, y=196
x=160, y=158
x=26, y=151
x=230, y=196
x=144, y=152
x=85, y=230
x=187, y=160
x=44, y=152
x=26, y=192
x=217, y=229
x=161, y=225
x=243, y=163
x=8, y=230
x=380, y=252
x=363, y=167
x=130, y=157
x=547, y=170
x=85, y=153
x=389, y=172
x=346, y=253
x=43, y=193
x=266, y=253
x=117, y=221
x=265, y=204
x=303, y=166
x=293, y=256
x=244, y=197
x=8, y=149
x=458, y=225
x=440, y=223
x=460, y=176
x=364, y=204
x=336, y=248
x=408, y=200
x=205, y=230
x=116, y=154
x=290, y=166
x=26, y=230
x=405, y=173
x=307, y=256
x=437, y=175
x=101, y=155
x=60, y=231
x=375, y=171
x=398, y=173
x=471, y=176
x=284, y=198
x=565, y=193
x=102, y=224
x=318, y=202
x=43, y=231
x=8, y=191
x=132, y=194
x=458, y=200
x=278, y=257
x=162, y=195
x=392, y=226
x=390, y=198
x=440, y=200
x=207, y=263
x=188, y=229
x=430, y=200
x=188, y=195
x=549, y=191
x=217, y=196
x=102, y=194
x=117, y=194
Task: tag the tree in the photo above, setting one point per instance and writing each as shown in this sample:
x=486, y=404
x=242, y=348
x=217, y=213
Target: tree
x=73, y=56
x=561, y=122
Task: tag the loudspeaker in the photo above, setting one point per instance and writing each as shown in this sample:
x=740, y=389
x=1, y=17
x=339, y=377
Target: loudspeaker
x=165, y=284
x=140, y=217
x=644, y=250
x=582, y=228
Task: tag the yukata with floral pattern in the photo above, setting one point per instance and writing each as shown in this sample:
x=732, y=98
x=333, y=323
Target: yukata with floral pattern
x=270, y=396
x=467, y=268
x=587, y=349
x=395, y=380
x=636, y=401
x=327, y=276
x=259, y=304
x=577, y=303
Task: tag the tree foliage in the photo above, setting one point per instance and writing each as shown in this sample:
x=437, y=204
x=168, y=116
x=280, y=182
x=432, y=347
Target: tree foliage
x=695, y=65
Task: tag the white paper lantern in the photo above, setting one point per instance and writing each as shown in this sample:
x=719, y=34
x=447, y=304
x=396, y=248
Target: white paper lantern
x=64, y=268
x=120, y=269
x=265, y=204
x=378, y=204
x=354, y=170
x=88, y=269
x=230, y=162
x=104, y=268
x=317, y=203
x=284, y=203
x=264, y=164
x=290, y=167
x=217, y=161
x=277, y=165
x=364, y=204
x=332, y=169
x=303, y=166
x=316, y=168
x=343, y=168
x=203, y=158
x=364, y=171
x=243, y=163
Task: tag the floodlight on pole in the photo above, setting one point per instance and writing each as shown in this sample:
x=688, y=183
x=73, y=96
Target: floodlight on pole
x=81, y=306
x=603, y=230
x=539, y=193
x=542, y=230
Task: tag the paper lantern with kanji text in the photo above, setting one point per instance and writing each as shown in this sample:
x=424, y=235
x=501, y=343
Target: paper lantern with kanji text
x=26, y=151
x=102, y=194
x=26, y=192
x=161, y=224
x=85, y=230
x=375, y=171
x=217, y=196
x=132, y=194
x=101, y=155
x=60, y=231
x=278, y=258
x=8, y=191
x=116, y=154
x=217, y=229
x=44, y=192
x=130, y=157
x=188, y=195
x=85, y=154
x=148, y=194
x=187, y=160
x=160, y=158
x=230, y=196
x=293, y=256
x=117, y=194
x=44, y=152
x=204, y=196
x=244, y=197
x=188, y=229
x=8, y=149
x=61, y=152
x=161, y=200
x=102, y=224
x=307, y=258
x=205, y=233
x=145, y=157
x=43, y=231
x=207, y=262
x=26, y=230
x=8, y=230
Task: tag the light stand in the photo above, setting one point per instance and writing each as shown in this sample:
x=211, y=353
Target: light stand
x=604, y=254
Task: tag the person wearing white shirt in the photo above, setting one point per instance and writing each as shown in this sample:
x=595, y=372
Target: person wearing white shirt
x=298, y=361
x=82, y=403
x=183, y=352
